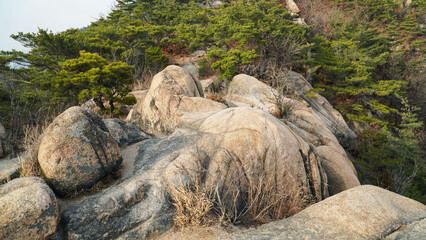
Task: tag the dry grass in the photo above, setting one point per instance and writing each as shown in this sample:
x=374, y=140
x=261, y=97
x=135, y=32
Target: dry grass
x=264, y=201
x=144, y=82
x=268, y=201
x=31, y=142
x=193, y=205
x=322, y=14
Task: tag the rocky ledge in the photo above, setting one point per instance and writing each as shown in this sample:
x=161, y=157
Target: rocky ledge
x=114, y=180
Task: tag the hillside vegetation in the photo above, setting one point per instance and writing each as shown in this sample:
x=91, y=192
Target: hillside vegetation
x=365, y=56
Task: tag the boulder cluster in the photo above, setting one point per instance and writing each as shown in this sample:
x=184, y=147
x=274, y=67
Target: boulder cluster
x=173, y=136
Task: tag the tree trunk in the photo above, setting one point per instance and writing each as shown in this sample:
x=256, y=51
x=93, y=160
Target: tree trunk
x=99, y=103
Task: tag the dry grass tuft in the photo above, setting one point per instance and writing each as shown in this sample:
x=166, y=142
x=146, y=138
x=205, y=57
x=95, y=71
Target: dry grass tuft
x=193, y=205
x=31, y=142
x=268, y=202
x=264, y=201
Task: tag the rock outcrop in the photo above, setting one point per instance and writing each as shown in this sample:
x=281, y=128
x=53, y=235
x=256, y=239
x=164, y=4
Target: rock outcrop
x=28, y=209
x=208, y=144
x=138, y=206
x=275, y=152
x=332, y=119
x=364, y=212
x=9, y=169
x=175, y=100
x=415, y=230
x=77, y=150
x=303, y=121
x=245, y=90
x=292, y=7
x=125, y=133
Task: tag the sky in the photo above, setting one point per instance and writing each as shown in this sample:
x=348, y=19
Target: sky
x=55, y=15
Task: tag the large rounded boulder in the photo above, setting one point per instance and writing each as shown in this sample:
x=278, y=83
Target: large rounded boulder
x=304, y=122
x=77, y=150
x=245, y=90
x=240, y=146
x=363, y=212
x=175, y=100
x=28, y=209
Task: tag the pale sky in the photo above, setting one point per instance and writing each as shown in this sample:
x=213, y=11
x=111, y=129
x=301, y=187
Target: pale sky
x=55, y=15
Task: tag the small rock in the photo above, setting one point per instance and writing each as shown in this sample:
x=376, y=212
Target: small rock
x=198, y=54
x=209, y=85
x=77, y=150
x=292, y=7
x=9, y=169
x=299, y=21
x=90, y=105
x=139, y=95
x=125, y=133
x=192, y=68
x=216, y=4
x=28, y=209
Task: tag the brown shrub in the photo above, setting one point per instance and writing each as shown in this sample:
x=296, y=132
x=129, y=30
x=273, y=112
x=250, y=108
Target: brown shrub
x=322, y=14
x=217, y=98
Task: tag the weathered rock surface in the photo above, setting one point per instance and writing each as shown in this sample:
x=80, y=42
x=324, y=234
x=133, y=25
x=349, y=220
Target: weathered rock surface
x=332, y=119
x=212, y=4
x=364, y=212
x=138, y=206
x=251, y=92
x=209, y=85
x=28, y=209
x=90, y=105
x=9, y=169
x=299, y=21
x=139, y=94
x=175, y=99
x=77, y=150
x=415, y=230
x=125, y=133
x=249, y=143
x=248, y=91
x=292, y=7
x=191, y=68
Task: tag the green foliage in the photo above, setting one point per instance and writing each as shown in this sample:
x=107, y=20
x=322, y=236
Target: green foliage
x=230, y=60
x=394, y=160
x=91, y=76
x=204, y=68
